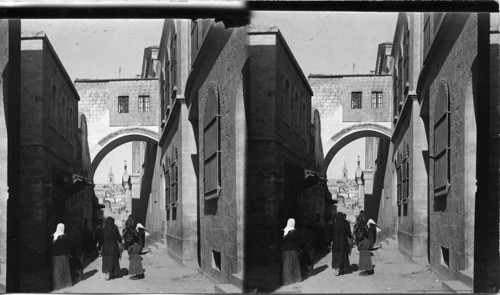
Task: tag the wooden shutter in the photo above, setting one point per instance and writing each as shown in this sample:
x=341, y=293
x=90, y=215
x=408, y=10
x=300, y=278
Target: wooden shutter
x=441, y=140
x=167, y=193
x=211, y=144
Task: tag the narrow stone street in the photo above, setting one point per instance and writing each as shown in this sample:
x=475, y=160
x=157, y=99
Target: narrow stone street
x=394, y=273
x=162, y=275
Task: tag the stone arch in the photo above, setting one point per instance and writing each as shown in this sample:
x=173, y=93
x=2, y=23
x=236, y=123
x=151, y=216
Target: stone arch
x=117, y=138
x=349, y=134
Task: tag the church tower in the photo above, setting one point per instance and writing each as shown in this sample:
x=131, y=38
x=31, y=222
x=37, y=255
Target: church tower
x=344, y=174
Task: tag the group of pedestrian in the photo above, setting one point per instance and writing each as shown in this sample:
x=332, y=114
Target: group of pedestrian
x=68, y=251
x=132, y=240
x=341, y=241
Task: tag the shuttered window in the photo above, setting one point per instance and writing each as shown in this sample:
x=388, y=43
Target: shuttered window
x=173, y=54
x=173, y=187
x=441, y=146
x=211, y=140
x=167, y=192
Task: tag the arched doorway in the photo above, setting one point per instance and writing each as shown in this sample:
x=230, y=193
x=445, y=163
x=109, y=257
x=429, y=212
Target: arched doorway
x=369, y=202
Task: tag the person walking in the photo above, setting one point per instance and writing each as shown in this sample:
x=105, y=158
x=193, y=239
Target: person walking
x=61, y=276
x=360, y=228
x=341, y=247
x=372, y=229
x=111, y=250
x=128, y=232
x=75, y=239
x=290, y=254
x=365, y=257
x=143, y=233
x=135, y=267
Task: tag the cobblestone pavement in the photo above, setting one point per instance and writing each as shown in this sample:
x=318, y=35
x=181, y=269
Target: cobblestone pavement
x=394, y=273
x=162, y=275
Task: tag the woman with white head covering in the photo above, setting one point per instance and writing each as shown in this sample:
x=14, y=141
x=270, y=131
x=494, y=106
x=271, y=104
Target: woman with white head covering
x=143, y=233
x=373, y=230
x=290, y=254
x=61, y=276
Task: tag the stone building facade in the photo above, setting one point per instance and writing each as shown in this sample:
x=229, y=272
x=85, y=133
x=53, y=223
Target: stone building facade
x=10, y=102
x=351, y=102
x=214, y=97
x=50, y=158
x=454, y=93
x=409, y=152
x=174, y=222
x=119, y=111
x=281, y=146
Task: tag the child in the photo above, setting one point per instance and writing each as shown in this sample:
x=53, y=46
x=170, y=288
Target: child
x=134, y=254
x=365, y=258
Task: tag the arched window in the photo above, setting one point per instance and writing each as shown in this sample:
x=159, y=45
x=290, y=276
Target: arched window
x=166, y=170
x=441, y=147
x=211, y=143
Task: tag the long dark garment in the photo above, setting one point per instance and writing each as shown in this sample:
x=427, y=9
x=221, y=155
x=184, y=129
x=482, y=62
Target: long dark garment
x=135, y=265
x=291, y=267
x=365, y=257
x=340, y=244
x=61, y=275
x=110, y=251
x=75, y=239
x=290, y=272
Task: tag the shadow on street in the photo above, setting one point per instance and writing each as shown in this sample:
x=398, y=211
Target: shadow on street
x=88, y=274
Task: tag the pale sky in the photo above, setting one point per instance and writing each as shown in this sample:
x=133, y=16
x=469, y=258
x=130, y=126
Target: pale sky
x=330, y=43
x=96, y=49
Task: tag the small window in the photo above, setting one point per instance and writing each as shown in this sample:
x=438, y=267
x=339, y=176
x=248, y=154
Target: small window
x=216, y=260
x=122, y=104
x=356, y=100
x=143, y=103
x=445, y=256
x=377, y=97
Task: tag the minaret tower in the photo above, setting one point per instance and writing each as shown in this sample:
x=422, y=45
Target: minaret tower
x=344, y=174
x=111, y=177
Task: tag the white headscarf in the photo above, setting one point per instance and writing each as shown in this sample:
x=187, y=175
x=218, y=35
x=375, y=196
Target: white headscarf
x=59, y=231
x=290, y=225
x=139, y=225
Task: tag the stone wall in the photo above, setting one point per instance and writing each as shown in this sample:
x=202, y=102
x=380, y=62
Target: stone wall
x=280, y=147
x=9, y=75
x=99, y=103
x=48, y=141
x=448, y=227
x=218, y=230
